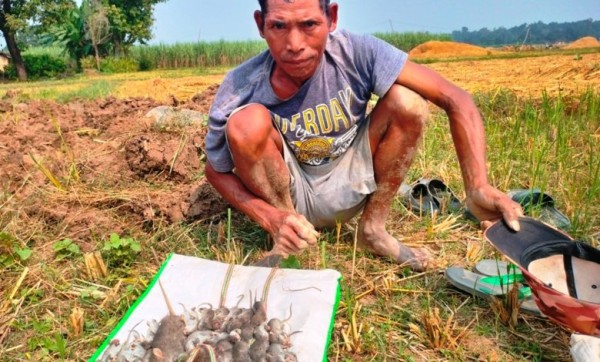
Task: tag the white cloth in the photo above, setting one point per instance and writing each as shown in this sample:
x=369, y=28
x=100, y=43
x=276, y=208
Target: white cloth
x=191, y=281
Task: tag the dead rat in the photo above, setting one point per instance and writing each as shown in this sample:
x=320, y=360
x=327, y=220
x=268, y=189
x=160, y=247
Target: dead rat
x=223, y=351
x=241, y=351
x=289, y=356
x=205, y=318
x=279, y=329
x=241, y=319
x=230, y=318
x=258, y=349
x=190, y=320
x=275, y=353
x=247, y=332
x=219, y=318
x=132, y=352
x=197, y=338
x=281, y=324
x=260, y=313
x=152, y=328
x=111, y=352
x=169, y=340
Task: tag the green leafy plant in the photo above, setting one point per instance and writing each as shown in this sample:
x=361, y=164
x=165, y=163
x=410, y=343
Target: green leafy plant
x=39, y=66
x=10, y=252
x=66, y=248
x=291, y=262
x=118, y=65
x=56, y=344
x=121, y=251
x=24, y=253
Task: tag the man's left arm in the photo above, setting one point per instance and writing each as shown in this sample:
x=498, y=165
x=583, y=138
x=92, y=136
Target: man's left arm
x=484, y=201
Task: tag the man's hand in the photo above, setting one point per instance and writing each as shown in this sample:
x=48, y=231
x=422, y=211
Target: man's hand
x=292, y=233
x=489, y=204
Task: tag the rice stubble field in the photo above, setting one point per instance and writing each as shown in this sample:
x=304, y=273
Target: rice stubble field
x=94, y=196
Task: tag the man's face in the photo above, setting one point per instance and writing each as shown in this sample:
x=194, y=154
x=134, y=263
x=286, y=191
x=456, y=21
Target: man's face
x=296, y=33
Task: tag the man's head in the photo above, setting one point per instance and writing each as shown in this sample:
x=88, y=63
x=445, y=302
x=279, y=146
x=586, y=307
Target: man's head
x=264, y=6
x=296, y=32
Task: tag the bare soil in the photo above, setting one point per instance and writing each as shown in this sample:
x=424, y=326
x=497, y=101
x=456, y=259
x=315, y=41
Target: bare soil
x=102, y=147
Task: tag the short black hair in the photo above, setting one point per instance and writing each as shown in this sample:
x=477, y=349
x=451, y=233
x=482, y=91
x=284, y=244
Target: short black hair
x=324, y=4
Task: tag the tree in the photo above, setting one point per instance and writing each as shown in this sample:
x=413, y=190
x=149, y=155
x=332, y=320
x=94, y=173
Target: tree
x=70, y=34
x=10, y=23
x=131, y=21
x=97, y=27
x=19, y=15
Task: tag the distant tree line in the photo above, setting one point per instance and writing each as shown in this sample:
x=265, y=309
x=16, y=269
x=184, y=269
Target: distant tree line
x=535, y=33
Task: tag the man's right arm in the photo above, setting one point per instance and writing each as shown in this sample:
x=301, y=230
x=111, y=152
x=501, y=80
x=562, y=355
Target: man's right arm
x=291, y=232
x=236, y=193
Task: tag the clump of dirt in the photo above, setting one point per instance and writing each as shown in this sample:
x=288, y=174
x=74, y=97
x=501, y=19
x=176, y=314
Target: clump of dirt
x=95, y=167
x=445, y=49
x=585, y=42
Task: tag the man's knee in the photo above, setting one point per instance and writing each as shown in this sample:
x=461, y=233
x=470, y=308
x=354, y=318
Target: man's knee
x=250, y=131
x=406, y=105
x=250, y=123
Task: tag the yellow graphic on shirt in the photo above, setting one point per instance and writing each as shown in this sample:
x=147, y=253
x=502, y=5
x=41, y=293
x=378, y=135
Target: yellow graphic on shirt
x=313, y=149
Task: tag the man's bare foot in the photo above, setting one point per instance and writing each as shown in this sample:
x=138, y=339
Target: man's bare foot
x=380, y=243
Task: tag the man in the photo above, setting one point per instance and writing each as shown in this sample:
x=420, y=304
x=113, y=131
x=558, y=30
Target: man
x=290, y=145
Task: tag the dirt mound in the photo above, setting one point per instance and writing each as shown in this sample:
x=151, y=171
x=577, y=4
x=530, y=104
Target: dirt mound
x=585, y=42
x=446, y=49
x=94, y=167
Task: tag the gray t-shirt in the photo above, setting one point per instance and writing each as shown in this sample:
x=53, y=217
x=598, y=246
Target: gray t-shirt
x=321, y=120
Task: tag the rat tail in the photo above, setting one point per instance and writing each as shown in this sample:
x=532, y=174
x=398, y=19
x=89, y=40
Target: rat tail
x=169, y=305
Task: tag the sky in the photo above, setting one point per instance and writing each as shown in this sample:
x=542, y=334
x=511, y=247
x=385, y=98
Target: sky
x=184, y=21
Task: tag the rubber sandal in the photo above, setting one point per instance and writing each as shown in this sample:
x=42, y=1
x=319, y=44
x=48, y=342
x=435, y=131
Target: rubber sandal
x=563, y=273
x=505, y=272
x=534, y=202
x=486, y=286
x=443, y=195
x=418, y=199
x=498, y=267
x=428, y=196
x=467, y=214
x=473, y=283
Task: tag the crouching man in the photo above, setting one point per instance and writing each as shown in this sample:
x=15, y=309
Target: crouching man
x=290, y=143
